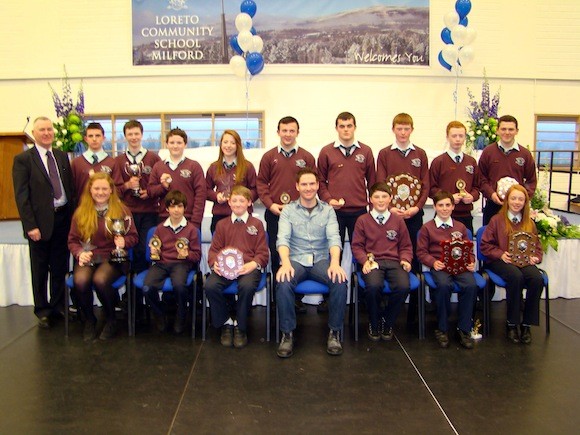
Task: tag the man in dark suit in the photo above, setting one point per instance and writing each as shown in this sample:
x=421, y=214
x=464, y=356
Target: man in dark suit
x=44, y=195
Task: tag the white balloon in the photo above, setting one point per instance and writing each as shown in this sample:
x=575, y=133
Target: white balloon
x=258, y=44
x=466, y=55
x=451, y=19
x=449, y=53
x=243, y=22
x=246, y=40
x=470, y=35
x=458, y=35
x=238, y=64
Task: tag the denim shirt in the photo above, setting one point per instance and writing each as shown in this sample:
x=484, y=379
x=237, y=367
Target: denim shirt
x=309, y=236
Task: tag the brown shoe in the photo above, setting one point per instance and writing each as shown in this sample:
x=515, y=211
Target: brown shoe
x=227, y=338
x=240, y=338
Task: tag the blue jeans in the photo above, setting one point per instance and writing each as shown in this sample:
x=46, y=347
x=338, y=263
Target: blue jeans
x=285, y=295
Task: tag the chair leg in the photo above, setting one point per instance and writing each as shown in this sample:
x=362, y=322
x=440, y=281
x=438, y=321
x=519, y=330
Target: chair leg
x=547, y=304
x=486, y=309
x=193, y=308
x=421, y=309
x=356, y=310
x=203, y=315
x=130, y=308
x=66, y=309
x=268, y=295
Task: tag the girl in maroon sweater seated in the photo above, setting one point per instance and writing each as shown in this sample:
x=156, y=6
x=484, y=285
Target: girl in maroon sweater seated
x=515, y=216
x=91, y=244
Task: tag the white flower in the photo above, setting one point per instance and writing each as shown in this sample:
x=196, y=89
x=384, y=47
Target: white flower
x=63, y=131
x=485, y=127
x=493, y=136
x=471, y=133
x=481, y=120
x=58, y=143
x=478, y=132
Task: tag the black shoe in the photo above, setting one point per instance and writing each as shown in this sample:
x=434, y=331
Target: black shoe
x=442, y=338
x=299, y=306
x=240, y=338
x=44, y=322
x=512, y=334
x=178, y=325
x=387, y=333
x=160, y=322
x=286, y=347
x=465, y=339
x=109, y=331
x=322, y=306
x=526, y=335
x=227, y=338
x=373, y=334
x=89, y=331
x=333, y=346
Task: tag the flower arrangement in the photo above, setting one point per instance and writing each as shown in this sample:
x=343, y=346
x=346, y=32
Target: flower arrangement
x=550, y=226
x=70, y=127
x=482, y=125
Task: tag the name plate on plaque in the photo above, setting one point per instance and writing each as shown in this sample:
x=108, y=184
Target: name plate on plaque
x=230, y=261
x=522, y=246
x=457, y=255
x=406, y=190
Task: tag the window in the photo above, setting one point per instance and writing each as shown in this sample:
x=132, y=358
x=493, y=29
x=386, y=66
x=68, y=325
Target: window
x=203, y=129
x=555, y=133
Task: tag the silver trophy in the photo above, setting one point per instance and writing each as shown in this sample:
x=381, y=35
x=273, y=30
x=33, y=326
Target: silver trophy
x=134, y=170
x=118, y=227
x=88, y=247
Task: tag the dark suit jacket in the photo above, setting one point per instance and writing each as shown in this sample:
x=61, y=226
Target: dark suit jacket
x=33, y=190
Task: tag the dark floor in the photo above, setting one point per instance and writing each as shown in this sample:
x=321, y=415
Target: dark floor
x=161, y=384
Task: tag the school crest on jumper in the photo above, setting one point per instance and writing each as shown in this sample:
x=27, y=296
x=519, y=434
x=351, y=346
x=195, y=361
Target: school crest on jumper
x=359, y=158
x=185, y=173
x=469, y=169
x=456, y=235
x=392, y=234
x=520, y=161
x=252, y=230
x=301, y=163
x=147, y=170
x=416, y=163
x=106, y=169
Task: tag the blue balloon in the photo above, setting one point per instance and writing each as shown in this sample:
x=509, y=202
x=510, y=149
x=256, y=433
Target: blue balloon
x=255, y=63
x=443, y=63
x=462, y=7
x=234, y=44
x=464, y=21
x=249, y=7
x=253, y=31
x=446, y=36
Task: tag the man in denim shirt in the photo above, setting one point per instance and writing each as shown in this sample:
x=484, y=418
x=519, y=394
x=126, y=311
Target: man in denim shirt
x=307, y=234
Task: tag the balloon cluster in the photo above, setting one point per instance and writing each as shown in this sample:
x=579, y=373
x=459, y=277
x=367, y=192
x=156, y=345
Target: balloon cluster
x=457, y=37
x=246, y=43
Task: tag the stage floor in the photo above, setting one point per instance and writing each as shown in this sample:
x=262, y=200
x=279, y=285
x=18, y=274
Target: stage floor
x=158, y=383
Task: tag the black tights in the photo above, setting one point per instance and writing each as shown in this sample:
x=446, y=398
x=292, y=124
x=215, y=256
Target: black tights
x=99, y=277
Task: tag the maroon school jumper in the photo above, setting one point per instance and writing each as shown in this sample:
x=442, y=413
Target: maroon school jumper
x=391, y=162
x=494, y=164
x=444, y=173
x=215, y=184
x=344, y=177
x=249, y=238
x=187, y=178
x=136, y=205
x=81, y=171
x=389, y=241
x=277, y=174
x=428, y=247
x=494, y=241
x=168, y=238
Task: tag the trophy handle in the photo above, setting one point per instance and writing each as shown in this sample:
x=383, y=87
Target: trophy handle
x=128, y=221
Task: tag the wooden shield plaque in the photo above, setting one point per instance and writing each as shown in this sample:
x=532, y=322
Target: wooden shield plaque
x=406, y=190
x=522, y=246
x=230, y=261
x=456, y=255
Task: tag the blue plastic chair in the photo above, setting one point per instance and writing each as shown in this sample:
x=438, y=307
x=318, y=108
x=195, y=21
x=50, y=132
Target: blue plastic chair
x=481, y=282
x=498, y=281
x=232, y=289
x=358, y=282
x=307, y=287
x=139, y=282
x=119, y=283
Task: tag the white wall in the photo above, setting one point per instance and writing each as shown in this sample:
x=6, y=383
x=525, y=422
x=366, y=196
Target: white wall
x=529, y=48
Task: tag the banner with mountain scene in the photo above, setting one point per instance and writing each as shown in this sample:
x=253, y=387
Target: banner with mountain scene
x=364, y=32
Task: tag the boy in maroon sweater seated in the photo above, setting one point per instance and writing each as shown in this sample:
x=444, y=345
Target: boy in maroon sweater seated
x=429, y=250
x=246, y=234
x=178, y=249
x=385, y=236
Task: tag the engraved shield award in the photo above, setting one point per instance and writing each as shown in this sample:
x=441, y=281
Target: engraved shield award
x=406, y=190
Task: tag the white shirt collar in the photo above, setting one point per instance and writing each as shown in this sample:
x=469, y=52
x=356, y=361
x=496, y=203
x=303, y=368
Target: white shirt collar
x=439, y=222
x=338, y=144
x=243, y=217
x=101, y=155
x=139, y=155
x=515, y=146
x=386, y=214
x=396, y=146
x=452, y=154
x=182, y=223
x=511, y=216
